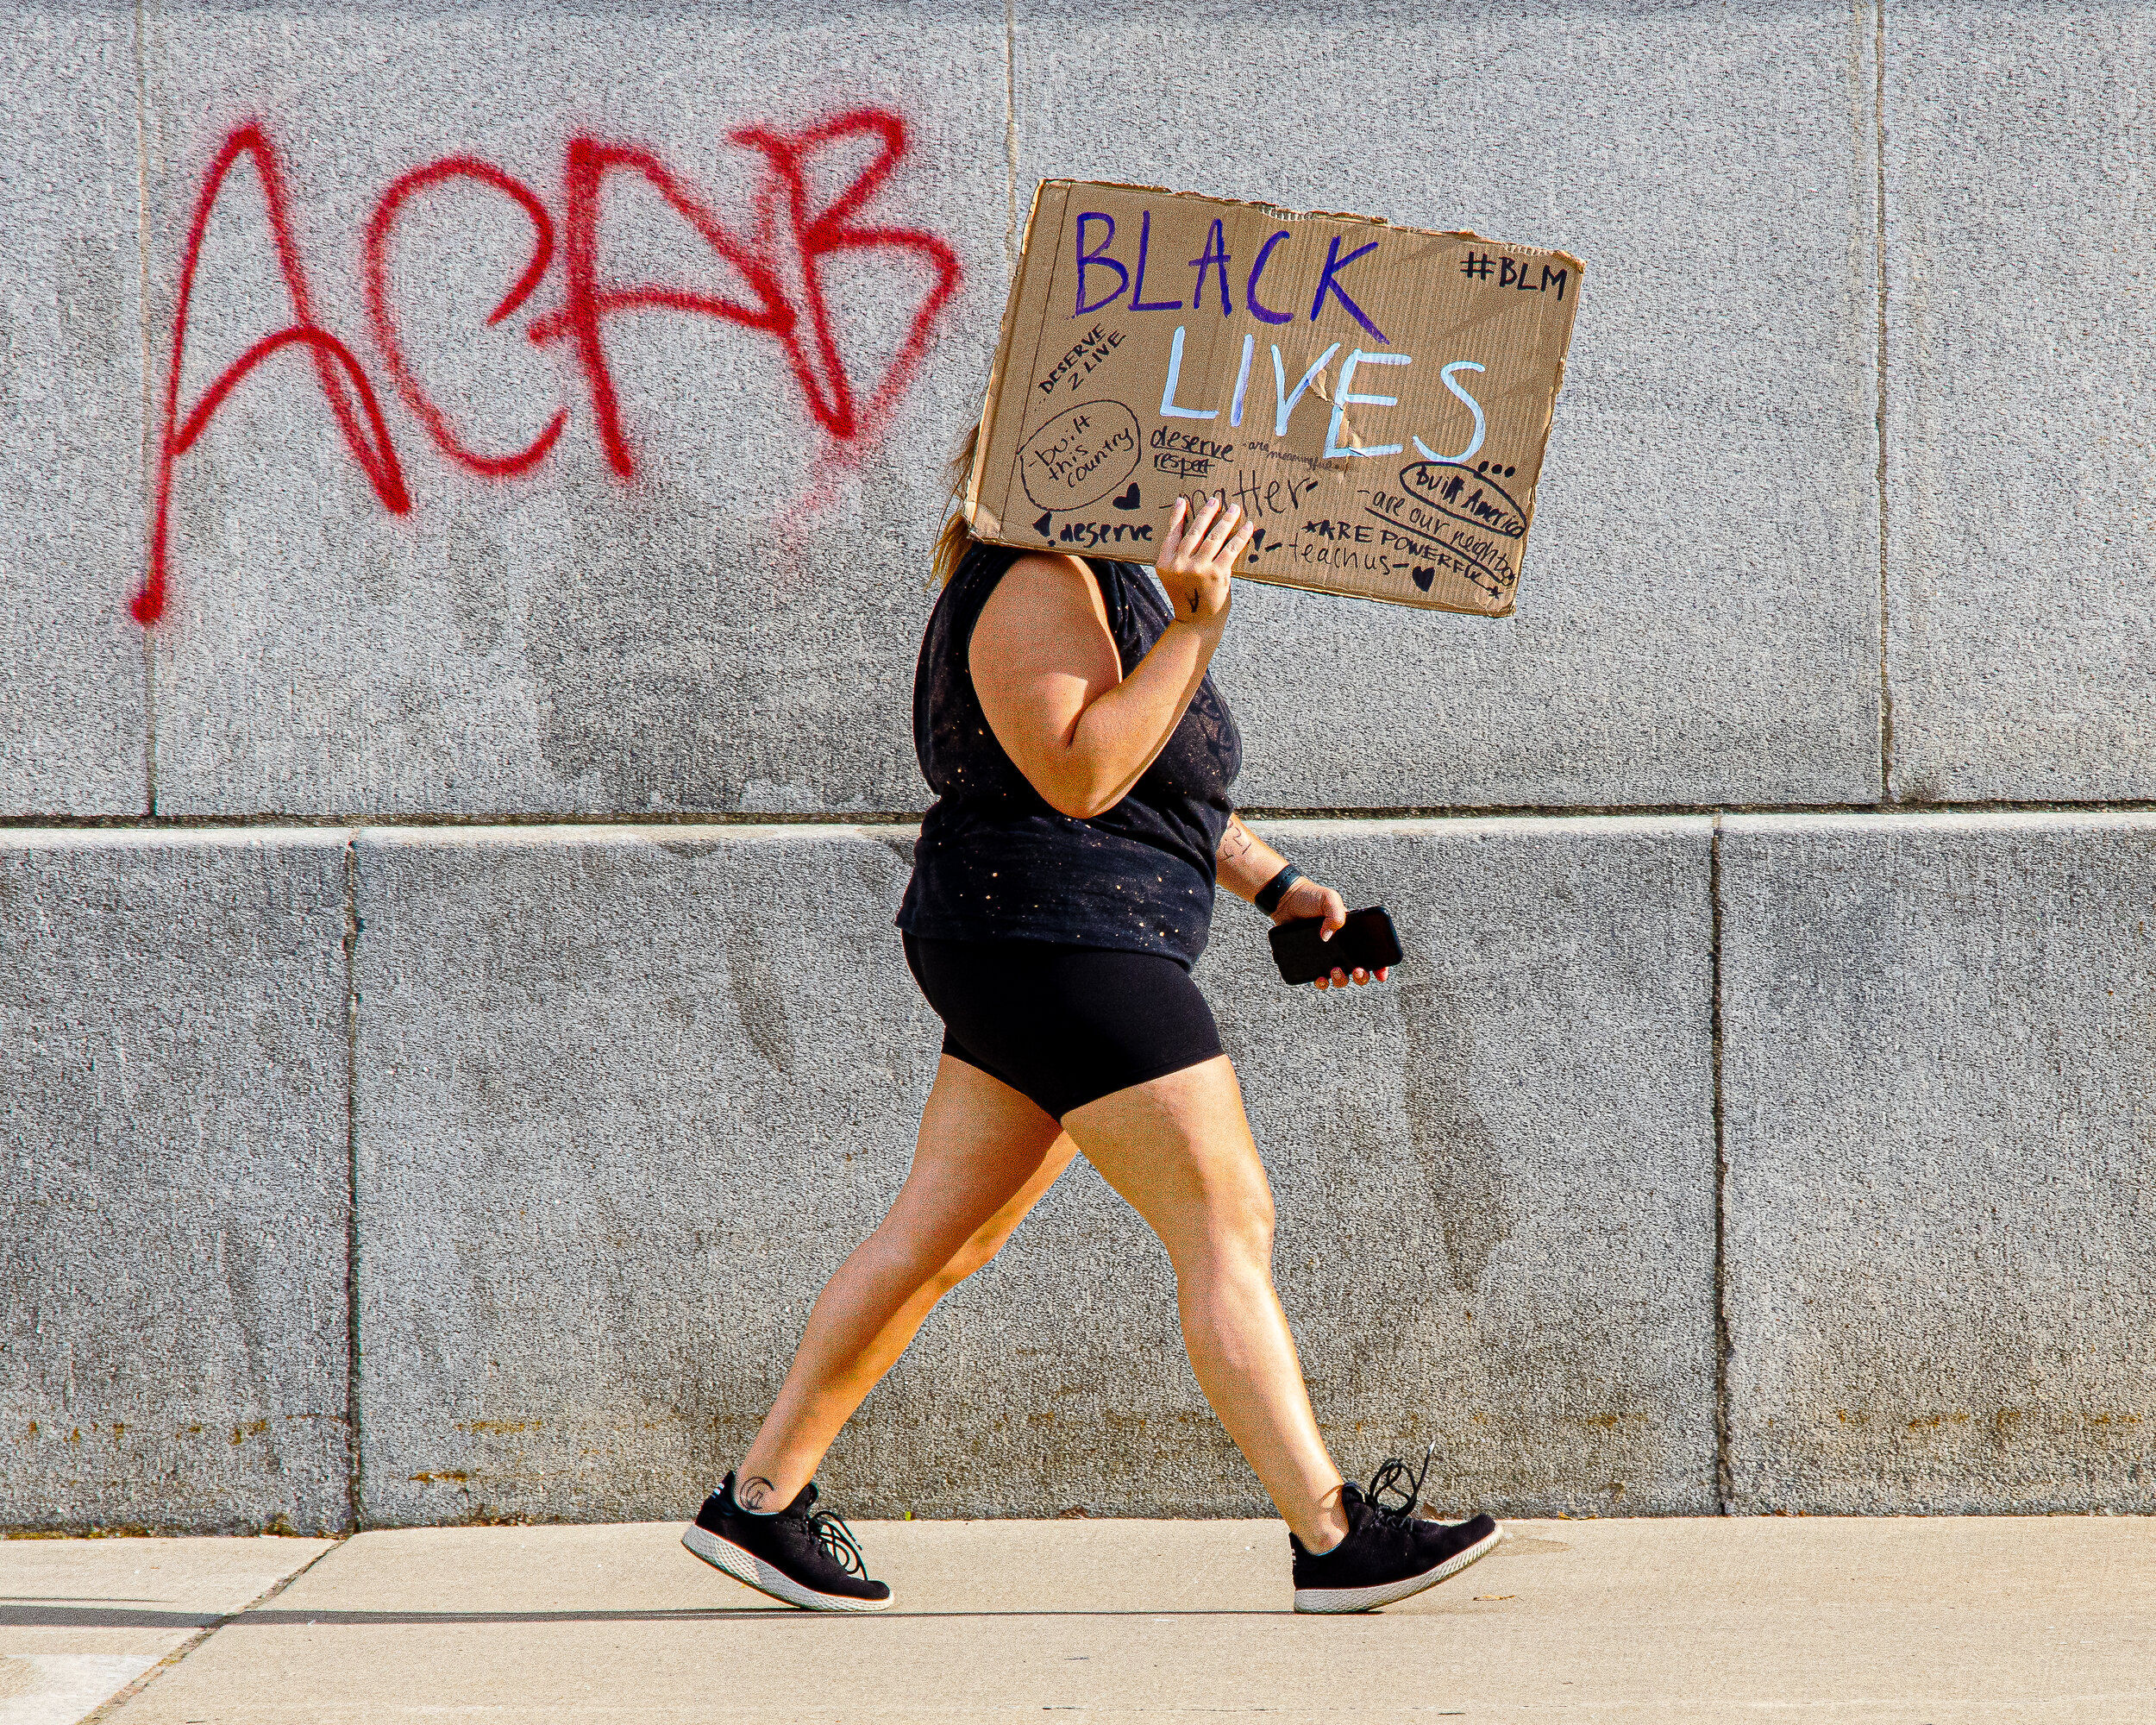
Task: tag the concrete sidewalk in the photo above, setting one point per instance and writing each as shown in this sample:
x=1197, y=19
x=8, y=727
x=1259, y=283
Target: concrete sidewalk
x=82, y=1620
x=1922, y=1621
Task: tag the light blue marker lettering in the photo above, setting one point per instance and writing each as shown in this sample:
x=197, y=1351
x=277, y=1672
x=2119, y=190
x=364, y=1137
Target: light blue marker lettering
x=1473, y=406
x=1242, y=380
x=1340, y=402
x=1168, y=408
x=1285, y=402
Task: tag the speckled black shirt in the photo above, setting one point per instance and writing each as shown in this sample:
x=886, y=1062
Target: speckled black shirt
x=995, y=862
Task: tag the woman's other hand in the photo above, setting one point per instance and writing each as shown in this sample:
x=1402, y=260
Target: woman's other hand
x=1307, y=899
x=1198, y=556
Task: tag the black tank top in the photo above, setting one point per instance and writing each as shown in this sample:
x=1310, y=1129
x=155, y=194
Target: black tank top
x=995, y=862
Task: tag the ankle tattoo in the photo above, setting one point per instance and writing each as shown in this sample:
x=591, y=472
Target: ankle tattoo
x=757, y=1495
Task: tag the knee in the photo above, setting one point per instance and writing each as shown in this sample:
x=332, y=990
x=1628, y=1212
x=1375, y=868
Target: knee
x=1254, y=1227
x=969, y=1257
x=1239, y=1224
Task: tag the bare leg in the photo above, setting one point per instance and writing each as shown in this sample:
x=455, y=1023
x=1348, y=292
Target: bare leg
x=985, y=1156
x=1178, y=1149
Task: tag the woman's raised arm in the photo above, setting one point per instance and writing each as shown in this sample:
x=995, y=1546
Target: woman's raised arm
x=1045, y=667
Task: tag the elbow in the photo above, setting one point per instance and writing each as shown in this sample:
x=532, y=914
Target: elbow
x=1074, y=783
x=1080, y=794
x=1081, y=805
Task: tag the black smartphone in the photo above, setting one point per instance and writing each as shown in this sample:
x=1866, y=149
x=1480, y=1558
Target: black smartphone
x=1367, y=942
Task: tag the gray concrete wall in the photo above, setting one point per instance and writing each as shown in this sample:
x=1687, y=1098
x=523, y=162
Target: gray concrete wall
x=615, y=1104
x=1938, y=1036
x=623, y=1106
x=173, y=1059
x=1757, y=1127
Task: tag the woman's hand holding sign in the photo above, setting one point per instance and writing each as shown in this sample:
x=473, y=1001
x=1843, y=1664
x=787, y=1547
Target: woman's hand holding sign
x=1197, y=555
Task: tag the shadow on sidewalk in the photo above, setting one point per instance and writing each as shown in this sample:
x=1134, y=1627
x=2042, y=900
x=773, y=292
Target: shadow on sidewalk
x=57, y=1616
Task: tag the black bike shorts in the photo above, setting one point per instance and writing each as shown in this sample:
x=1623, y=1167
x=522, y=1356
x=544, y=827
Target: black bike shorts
x=1065, y=1026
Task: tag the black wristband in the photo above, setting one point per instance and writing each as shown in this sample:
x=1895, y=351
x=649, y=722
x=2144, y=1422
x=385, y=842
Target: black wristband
x=1269, y=895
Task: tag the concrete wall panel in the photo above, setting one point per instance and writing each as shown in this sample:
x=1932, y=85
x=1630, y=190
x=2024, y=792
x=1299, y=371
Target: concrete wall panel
x=2020, y=504
x=630, y=1096
x=1698, y=618
x=1495, y=1173
x=173, y=1060
x=569, y=639
x=627, y=1099
x=73, y=726
x=1942, y=1227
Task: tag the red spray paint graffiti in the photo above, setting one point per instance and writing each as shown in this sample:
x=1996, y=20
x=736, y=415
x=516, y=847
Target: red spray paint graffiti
x=333, y=364
x=821, y=233
x=790, y=227
x=383, y=315
x=587, y=302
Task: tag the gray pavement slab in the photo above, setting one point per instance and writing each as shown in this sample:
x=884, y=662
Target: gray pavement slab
x=74, y=728
x=568, y=639
x=1699, y=614
x=80, y=1620
x=173, y=1102
x=1940, y=1234
x=1906, y=1623
x=628, y=1096
x=2020, y=325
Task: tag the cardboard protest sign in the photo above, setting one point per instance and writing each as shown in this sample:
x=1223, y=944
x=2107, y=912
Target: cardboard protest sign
x=1376, y=398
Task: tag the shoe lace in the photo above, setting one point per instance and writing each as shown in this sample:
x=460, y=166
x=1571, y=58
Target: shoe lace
x=832, y=1532
x=1392, y=1477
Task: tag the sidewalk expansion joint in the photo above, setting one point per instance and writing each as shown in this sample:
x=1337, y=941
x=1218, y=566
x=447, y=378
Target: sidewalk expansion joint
x=116, y=1703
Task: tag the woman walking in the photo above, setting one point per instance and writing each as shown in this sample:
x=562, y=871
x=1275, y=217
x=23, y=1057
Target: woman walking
x=1062, y=887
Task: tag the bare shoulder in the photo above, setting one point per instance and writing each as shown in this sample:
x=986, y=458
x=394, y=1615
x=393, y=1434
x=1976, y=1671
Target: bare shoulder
x=1046, y=588
x=1042, y=607
x=1051, y=572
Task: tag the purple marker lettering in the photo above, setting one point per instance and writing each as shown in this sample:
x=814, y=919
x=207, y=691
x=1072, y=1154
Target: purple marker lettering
x=1216, y=257
x=1137, y=291
x=1334, y=263
x=1087, y=259
x=1249, y=287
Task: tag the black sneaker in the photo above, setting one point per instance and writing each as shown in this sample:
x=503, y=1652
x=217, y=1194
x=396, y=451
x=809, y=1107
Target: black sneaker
x=808, y=1560
x=1387, y=1553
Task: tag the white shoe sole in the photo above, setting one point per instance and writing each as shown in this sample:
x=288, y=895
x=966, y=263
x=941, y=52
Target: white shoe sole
x=1341, y=1599
x=752, y=1570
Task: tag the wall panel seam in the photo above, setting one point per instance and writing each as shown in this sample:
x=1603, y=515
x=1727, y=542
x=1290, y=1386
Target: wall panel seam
x=1010, y=132
x=354, y=1436
x=1724, y=1493
x=142, y=318
x=1879, y=251
x=809, y=820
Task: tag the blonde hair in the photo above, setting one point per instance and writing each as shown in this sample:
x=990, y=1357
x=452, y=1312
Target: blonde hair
x=956, y=537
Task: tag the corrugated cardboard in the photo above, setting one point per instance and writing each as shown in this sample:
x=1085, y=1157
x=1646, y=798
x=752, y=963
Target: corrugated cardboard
x=1377, y=397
